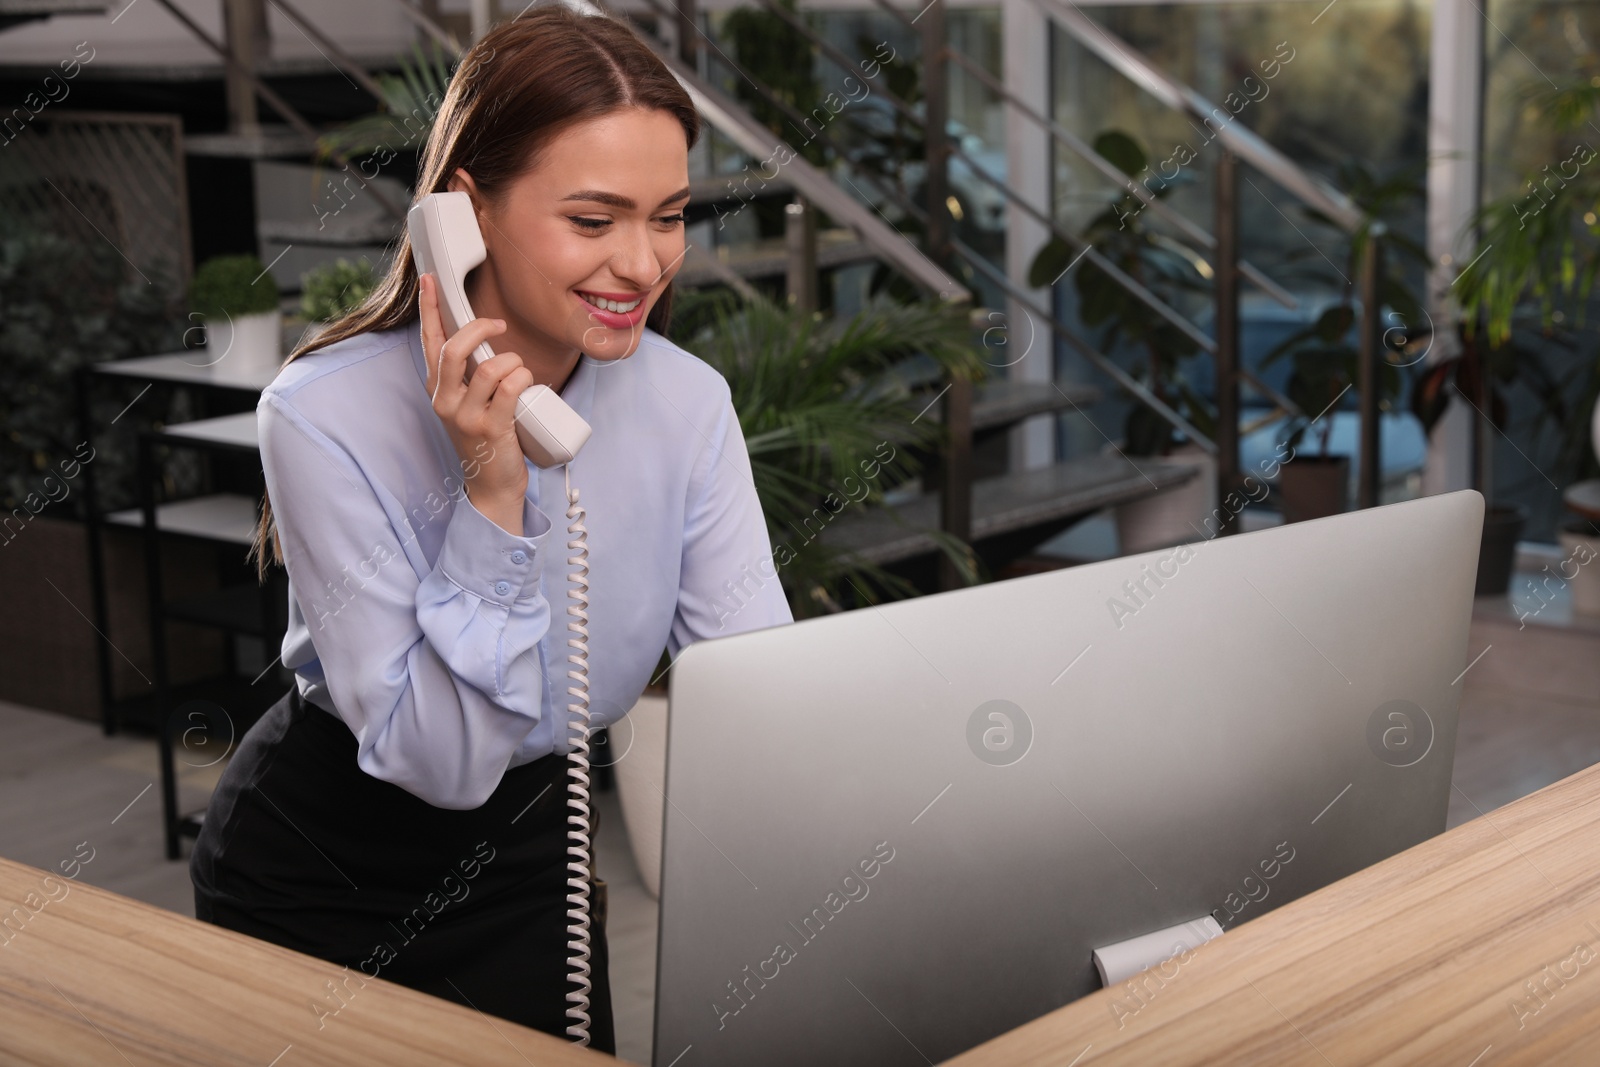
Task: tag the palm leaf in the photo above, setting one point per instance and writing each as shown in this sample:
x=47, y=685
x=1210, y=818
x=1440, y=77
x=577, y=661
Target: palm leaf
x=820, y=402
x=410, y=101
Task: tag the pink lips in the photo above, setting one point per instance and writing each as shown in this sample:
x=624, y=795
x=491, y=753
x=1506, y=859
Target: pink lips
x=612, y=319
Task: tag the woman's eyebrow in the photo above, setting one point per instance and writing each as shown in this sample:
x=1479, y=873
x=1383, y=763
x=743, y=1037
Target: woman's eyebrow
x=617, y=200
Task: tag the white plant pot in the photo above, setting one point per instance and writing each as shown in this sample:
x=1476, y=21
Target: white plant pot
x=1173, y=516
x=1581, y=552
x=641, y=776
x=253, y=342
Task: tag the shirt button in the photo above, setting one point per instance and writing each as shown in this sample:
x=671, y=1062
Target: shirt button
x=519, y=556
x=502, y=588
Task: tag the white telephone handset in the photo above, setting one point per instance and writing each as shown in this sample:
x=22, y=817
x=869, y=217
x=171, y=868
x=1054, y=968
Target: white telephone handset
x=446, y=243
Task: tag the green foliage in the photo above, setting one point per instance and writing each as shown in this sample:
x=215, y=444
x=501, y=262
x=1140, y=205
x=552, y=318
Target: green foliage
x=888, y=151
x=771, y=50
x=1170, y=269
x=886, y=143
x=1486, y=370
x=819, y=398
x=1325, y=365
x=1325, y=356
x=332, y=289
x=232, y=285
x=1392, y=200
x=1122, y=152
x=67, y=307
x=1534, y=273
x=862, y=139
x=411, y=99
x=1538, y=251
x=1541, y=244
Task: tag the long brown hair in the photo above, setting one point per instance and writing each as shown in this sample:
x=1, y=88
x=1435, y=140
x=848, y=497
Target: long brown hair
x=518, y=87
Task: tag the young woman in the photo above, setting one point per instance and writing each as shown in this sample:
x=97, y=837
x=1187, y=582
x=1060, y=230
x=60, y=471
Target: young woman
x=402, y=811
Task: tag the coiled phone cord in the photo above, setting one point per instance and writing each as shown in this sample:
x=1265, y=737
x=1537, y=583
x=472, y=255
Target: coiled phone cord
x=578, y=795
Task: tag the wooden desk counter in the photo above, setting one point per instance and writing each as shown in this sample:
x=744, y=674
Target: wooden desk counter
x=1477, y=948
x=90, y=977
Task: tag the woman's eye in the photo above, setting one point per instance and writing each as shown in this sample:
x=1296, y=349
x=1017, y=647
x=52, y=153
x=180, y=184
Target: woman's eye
x=595, y=224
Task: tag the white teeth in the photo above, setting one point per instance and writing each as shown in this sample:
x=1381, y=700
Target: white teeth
x=610, y=305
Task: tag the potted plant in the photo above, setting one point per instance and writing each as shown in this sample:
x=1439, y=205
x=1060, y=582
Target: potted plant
x=335, y=288
x=1482, y=373
x=821, y=406
x=1325, y=356
x=1324, y=366
x=816, y=398
x=1177, y=274
x=237, y=299
x=1524, y=298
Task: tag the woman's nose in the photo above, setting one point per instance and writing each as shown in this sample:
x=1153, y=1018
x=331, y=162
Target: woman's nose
x=636, y=263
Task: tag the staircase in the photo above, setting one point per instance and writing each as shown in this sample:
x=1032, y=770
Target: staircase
x=980, y=496
x=1005, y=513
x=1012, y=510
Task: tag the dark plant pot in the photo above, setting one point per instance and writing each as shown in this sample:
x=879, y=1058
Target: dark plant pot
x=1310, y=487
x=1496, y=556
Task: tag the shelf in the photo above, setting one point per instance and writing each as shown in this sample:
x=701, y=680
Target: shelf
x=227, y=517
x=238, y=430
x=192, y=368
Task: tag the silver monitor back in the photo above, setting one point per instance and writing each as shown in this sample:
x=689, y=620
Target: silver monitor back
x=894, y=833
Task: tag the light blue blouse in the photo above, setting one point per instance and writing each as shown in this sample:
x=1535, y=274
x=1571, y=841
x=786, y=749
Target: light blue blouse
x=438, y=637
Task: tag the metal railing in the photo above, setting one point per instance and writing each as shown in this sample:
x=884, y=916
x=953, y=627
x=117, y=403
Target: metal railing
x=1139, y=291
x=1241, y=145
x=942, y=247
x=754, y=139
x=930, y=268
x=1237, y=144
x=270, y=97
x=1187, y=226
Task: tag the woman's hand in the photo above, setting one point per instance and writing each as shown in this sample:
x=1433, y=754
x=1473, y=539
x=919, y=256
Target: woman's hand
x=478, y=414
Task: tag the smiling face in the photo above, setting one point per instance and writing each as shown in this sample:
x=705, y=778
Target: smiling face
x=582, y=245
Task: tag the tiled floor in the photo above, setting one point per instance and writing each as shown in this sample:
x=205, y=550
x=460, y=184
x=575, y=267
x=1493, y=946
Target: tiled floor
x=1530, y=715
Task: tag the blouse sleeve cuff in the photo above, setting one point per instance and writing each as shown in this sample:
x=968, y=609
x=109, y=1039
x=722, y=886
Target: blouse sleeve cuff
x=486, y=560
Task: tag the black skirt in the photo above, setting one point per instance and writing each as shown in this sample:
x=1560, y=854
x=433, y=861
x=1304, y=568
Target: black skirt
x=302, y=848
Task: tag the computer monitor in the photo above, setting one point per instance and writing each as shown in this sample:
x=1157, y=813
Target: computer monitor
x=894, y=833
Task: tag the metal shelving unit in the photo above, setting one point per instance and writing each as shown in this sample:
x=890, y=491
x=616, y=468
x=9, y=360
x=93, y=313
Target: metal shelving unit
x=228, y=703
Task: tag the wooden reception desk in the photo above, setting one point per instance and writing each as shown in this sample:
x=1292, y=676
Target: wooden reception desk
x=89, y=977
x=1478, y=948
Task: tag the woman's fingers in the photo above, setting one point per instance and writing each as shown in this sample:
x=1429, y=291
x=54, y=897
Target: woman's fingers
x=476, y=413
x=432, y=329
x=503, y=406
x=447, y=358
x=481, y=388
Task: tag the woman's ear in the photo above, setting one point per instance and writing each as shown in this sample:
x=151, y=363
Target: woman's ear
x=461, y=182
